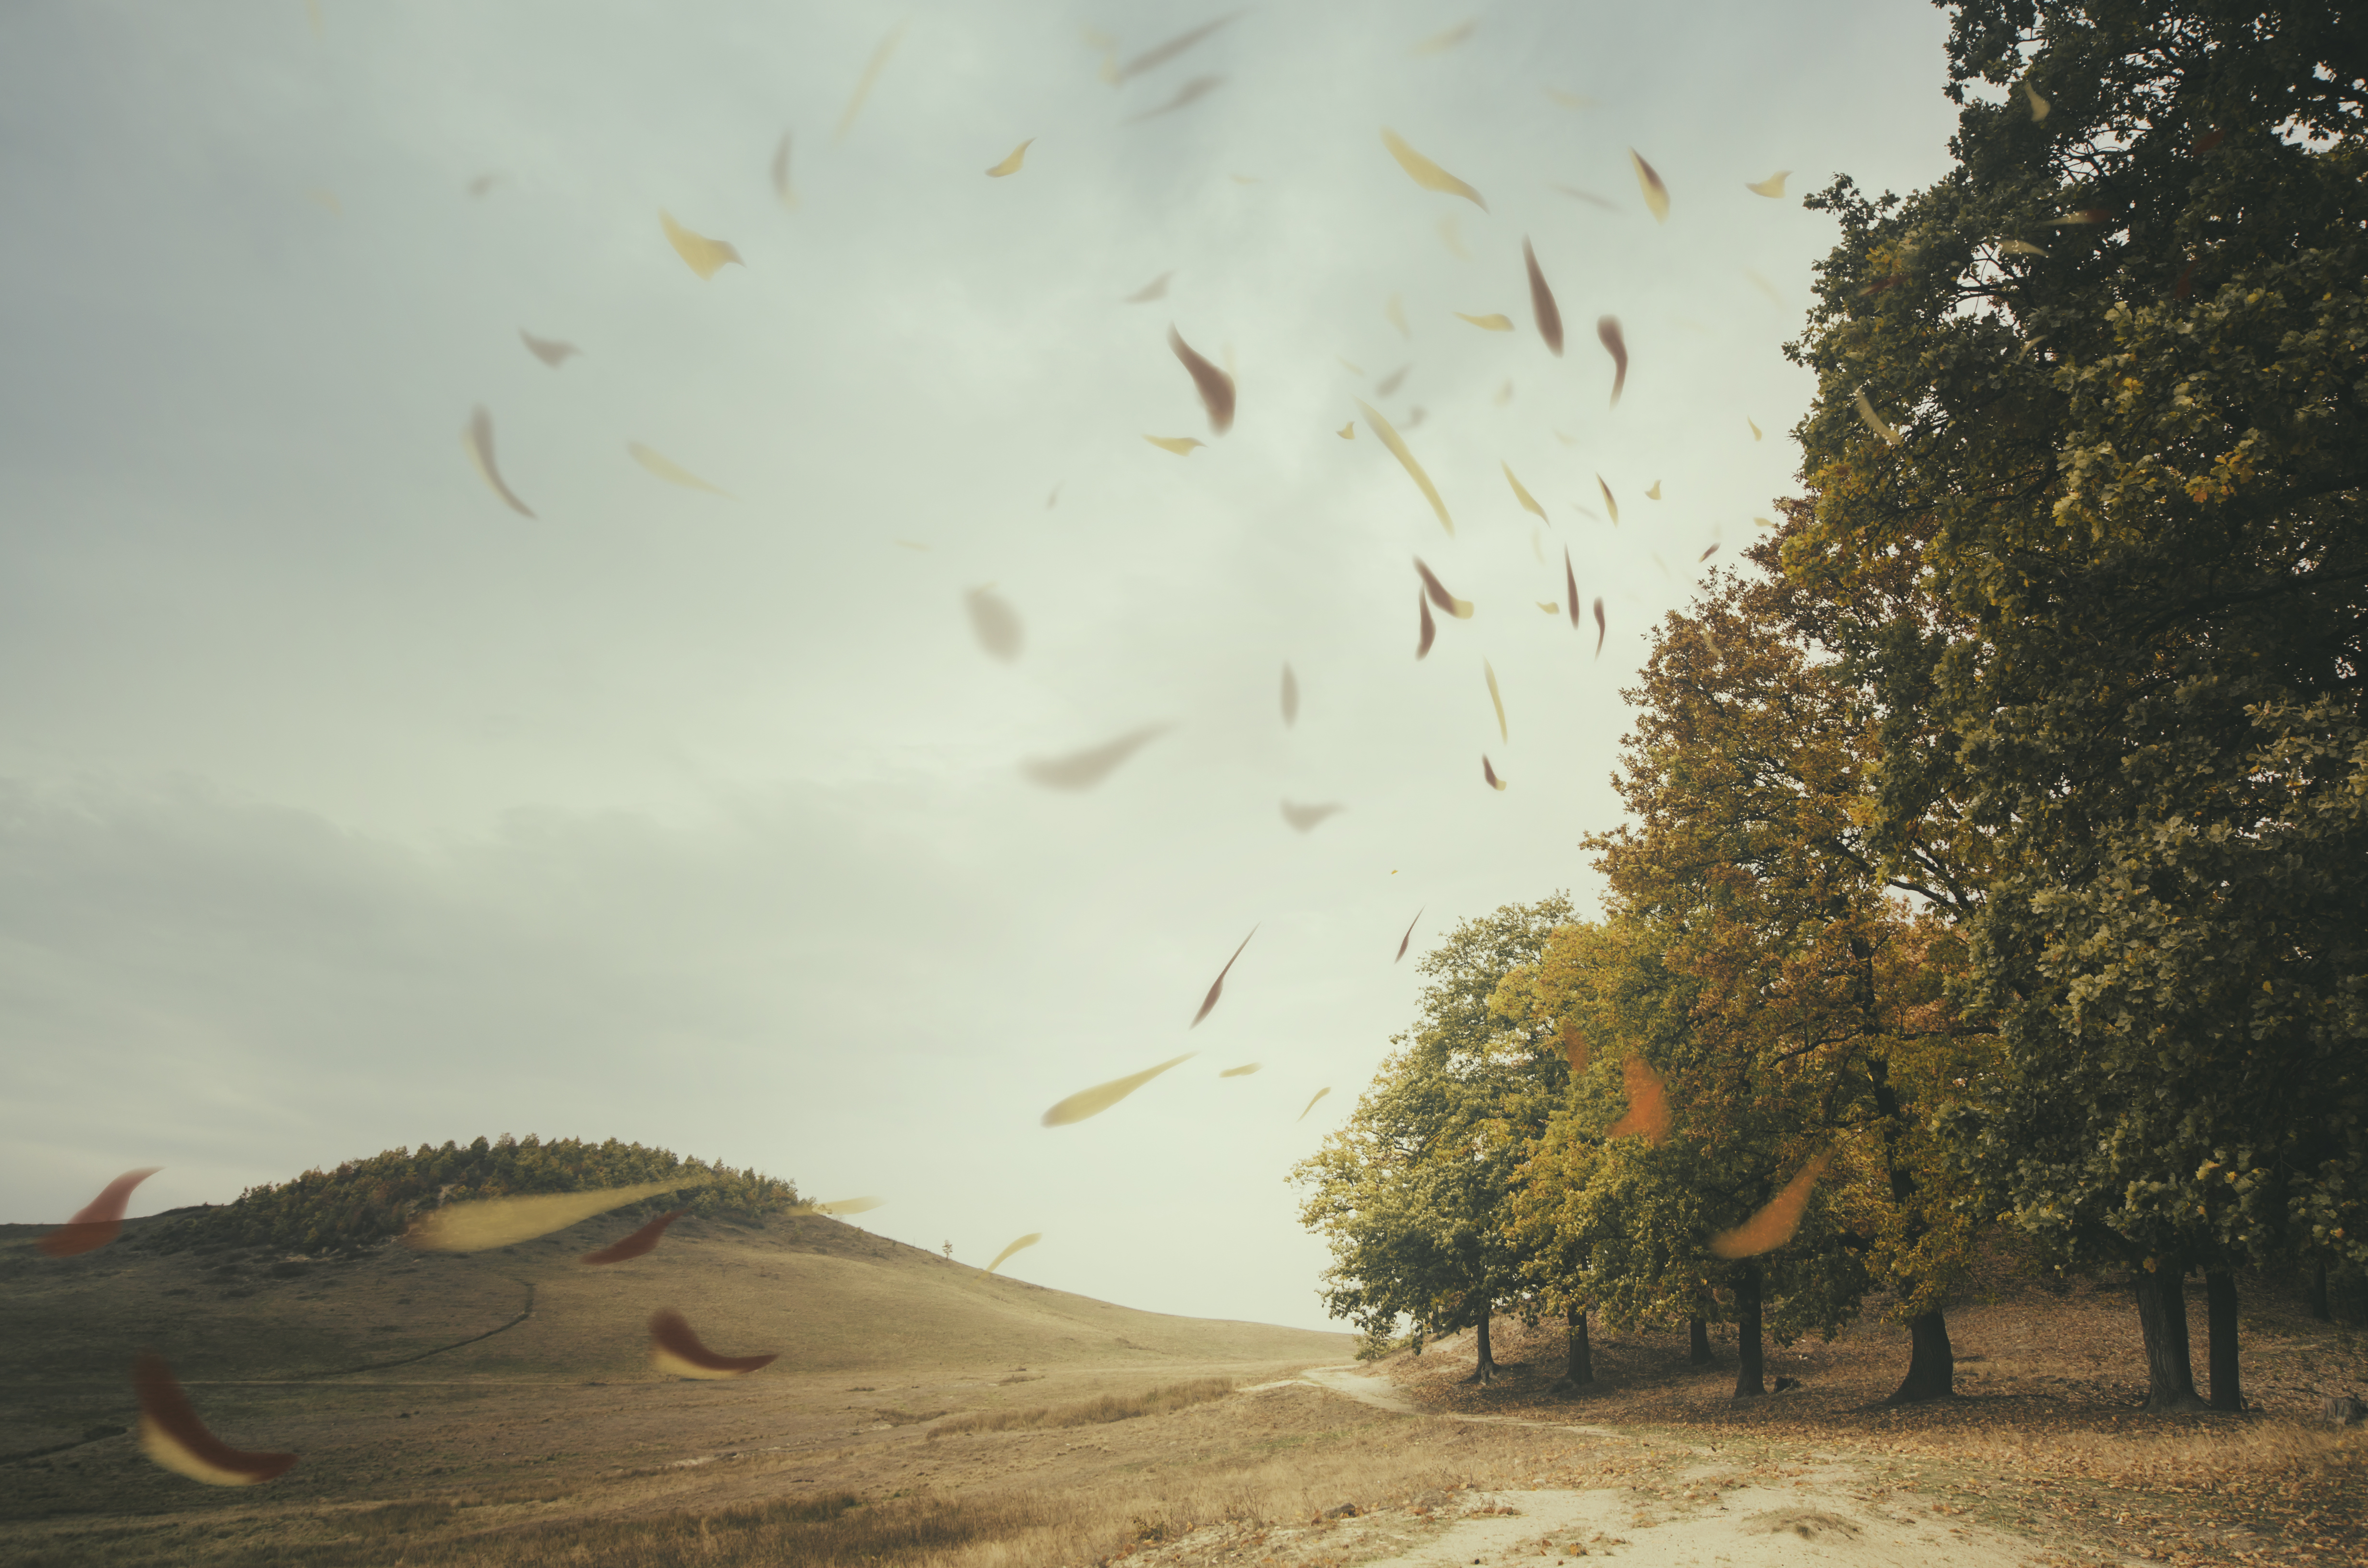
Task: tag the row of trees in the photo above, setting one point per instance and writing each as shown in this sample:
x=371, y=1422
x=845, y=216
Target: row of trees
x=2003, y=836
x=363, y=1203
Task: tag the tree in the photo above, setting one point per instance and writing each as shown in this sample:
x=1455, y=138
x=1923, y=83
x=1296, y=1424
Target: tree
x=1406, y=1190
x=2099, y=393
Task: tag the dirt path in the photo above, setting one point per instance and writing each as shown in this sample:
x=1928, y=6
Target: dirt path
x=1747, y=1517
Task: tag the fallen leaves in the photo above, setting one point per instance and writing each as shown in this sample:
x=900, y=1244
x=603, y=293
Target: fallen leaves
x=1216, y=387
x=675, y=1348
x=701, y=254
x=1542, y=308
x=100, y=1221
x=1101, y=1097
x=1425, y=173
x=1217, y=986
x=1084, y=770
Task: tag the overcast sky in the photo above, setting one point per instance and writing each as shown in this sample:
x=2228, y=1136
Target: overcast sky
x=343, y=807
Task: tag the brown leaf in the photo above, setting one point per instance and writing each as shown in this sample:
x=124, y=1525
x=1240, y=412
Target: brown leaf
x=1570, y=581
x=1216, y=386
x=1084, y=770
x=1459, y=608
x=1607, y=330
x=1598, y=626
x=477, y=440
x=1489, y=772
x=1542, y=301
x=1217, y=987
x=1409, y=933
x=100, y=1221
x=1429, y=626
x=676, y=1349
x=550, y=350
x=642, y=1241
x=171, y=1434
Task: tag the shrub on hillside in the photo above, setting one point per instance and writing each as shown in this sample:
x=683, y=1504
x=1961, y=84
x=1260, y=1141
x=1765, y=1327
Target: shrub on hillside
x=365, y=1202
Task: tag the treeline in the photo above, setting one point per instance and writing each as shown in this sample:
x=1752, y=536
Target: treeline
x=365, y=1202
x=1997, y=846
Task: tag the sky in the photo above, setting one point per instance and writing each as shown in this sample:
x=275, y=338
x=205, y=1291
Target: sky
x=343, y=807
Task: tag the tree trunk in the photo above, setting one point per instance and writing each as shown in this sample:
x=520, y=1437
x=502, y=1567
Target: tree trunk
x=1931, y=1364
x=1487, y=1367
x=2220, y=1304
x=2318, y=1291
x=1581, y=1370
x=1698, y=1348
x=1747, y=1361
x=2162, y=1314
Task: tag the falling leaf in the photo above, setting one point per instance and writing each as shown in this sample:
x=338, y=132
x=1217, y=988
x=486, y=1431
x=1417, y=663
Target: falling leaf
x=1606, y=332
x=1217, y=986
x=1388, y=384
x=1489, y=323
x=1550, y=606
x=1775, y=1223
x=1290, y=697
x=1010, y=165
x=1657, y=195
x=1425, y=173
x=1084, y=770
x=2039, y=106
x=1598, y=626
x=1216, y=386
x=1459, y=608
x=1030, y=1240
x=1773, y=185
x=1389, y=437
x=1197, y=88
x=1244, y=1071
x=1528, y=501
x=1489, y=772
x=1350, y=365
x=1873, y=420
x=1180, y=445
x=1711, y=552
x=486, y=1224
x=1537, y=545
x=1570, y=582
x=1429, y=626
x=100, y=1221
x=995, y=622
x=1346, y=432
x=701, y=254
x=1151, y=59
x=1304, y=818
x=1453, y=239
x=863, y=84
x=1101, y=1097
x=1410, y=930
x=172, y=1435
x=1648, y=1104
x=1446, y=41
x=642, y=1241
x=675, y=1348
x=1765, y=522
x=1764, y=287
x=847, y=1206
x=1569, y=100
x=1496, y=699
x=1542, y=301
x=1613, y=506
x=1395, y=313
x=551, y=351
x=1310, y=1104
x=1152, y=291
x=1590, y=196
x=477, y=440
x=326, y=200
x=673, y=473
x=1755, y=429
x=782, y=192
x=2019, y=247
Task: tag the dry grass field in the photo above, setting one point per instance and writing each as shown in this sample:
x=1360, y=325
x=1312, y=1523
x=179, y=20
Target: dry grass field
x=500, y=1409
